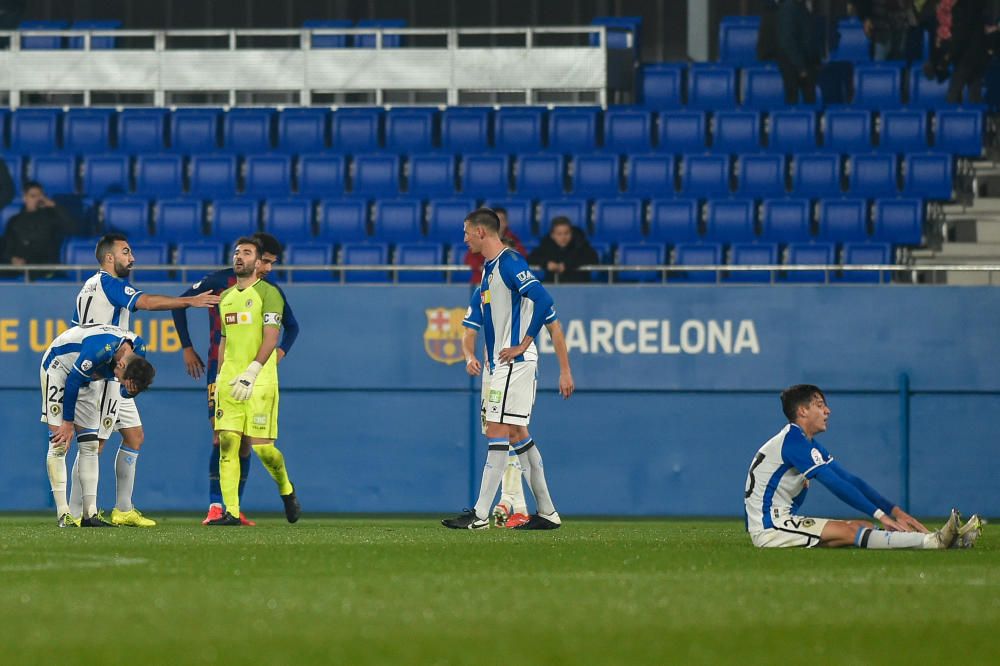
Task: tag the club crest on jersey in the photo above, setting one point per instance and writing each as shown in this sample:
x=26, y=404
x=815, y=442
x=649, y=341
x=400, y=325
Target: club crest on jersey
x=86, y=365
x=55, y=409
x=443, y=335
x=107, y=423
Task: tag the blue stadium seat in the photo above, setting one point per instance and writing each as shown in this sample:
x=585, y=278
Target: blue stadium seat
x=179, y=220
x=289, y=219
x=903, y=131
x=159, y=175
x=268, y=176
x=486, y=175
x=792, y=131
x=696, y=254
x=303, y=130
x=389, y=40
x=398, y=220
x=445, y=218
x=456, y=257
x=878, y=86
x=247, y=131
x=673, y=220
x=432, y=175
x=127, y=215
x=540, y=175
x=360, y=254
x=232, y=218
x=640, y=254
x=683, y=132
x=747, y=254
x=873, y=175
x=518, y=129
x=79, y=253
x=194, y=130
x=150, y=253
x=866, y=253
x=623, y=32
x=816, y=175
x=34, y=131
x=56, y=173
x=40, y=42
x=357, y=130
x=928, y=176
x=105, y=174
x=852, y=45
x=730, y=220
x=661, y=85
x=87, y=131
x=705, y=176
x=309, y=254
x=141, y=130
x=410, y=130
x=328, y=41
x=843, y=220
x=785, y=220
x=321, y=176
x=761, y=175
x=343, y=220
x=376, y=175
x=711, y=87
x=15, y=165
x=419, y=254
x=572, y=130
x=959, y=132
x=199, y=254
x=596, y=175
x=763, y=88
x=736, y=132
x=848, y=131
x=465, y=129
x=738, y=39
x=97, y=42
x=617, y=220
x=651, y=175
x=520, y=217
x=574, y=209
x=627, y=130
x=927, y=93
x=898, y=221
x=808, y=254
x=213, y=176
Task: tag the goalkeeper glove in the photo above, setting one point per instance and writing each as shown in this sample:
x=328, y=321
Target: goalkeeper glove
x=243, y=385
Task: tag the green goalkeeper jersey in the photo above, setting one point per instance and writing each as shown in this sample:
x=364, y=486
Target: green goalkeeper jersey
x=243, y=314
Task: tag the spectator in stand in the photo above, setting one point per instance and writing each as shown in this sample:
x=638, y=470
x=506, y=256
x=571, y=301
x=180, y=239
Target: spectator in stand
x=35, y=235
x=475, y=261
x=767, y=34
x=962, y=36
x=887, y=24
x=562, y=252
x=799, y=53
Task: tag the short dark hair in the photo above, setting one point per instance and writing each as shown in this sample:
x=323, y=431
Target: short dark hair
x=560, y=221
x=107, y=244
x=484, y=217
x=30, y=185
x=797, y=396
x=140, y=372
x=268, y=243
x=249, y=240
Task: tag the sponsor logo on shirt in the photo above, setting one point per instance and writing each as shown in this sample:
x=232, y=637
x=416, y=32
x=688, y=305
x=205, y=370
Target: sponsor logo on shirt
x=233, y=318
x=443, y=335
x=525, y=276
x=485, y=297
x=272, y=318
x=129, y=291
x=260, y=419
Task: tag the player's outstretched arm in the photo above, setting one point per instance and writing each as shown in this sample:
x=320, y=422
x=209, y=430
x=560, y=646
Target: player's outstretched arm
x=160, y=302
x=566, y=385
x=905, y=520
x=853, y=497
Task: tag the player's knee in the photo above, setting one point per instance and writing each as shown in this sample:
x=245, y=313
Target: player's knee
x=89, y=443
x=519, y=433
x=134, y=437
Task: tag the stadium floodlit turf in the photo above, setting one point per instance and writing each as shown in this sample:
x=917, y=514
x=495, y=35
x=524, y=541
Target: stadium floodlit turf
x=407, y=591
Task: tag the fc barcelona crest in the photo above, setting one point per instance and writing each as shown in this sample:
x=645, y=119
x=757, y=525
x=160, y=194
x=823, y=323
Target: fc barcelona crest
x=443, y=336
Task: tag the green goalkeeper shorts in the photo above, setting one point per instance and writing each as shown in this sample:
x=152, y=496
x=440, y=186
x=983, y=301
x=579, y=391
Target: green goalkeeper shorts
x=256, y=417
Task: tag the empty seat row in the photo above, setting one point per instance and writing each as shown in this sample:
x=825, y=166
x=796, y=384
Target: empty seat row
x=50, y=42
x=926, y=175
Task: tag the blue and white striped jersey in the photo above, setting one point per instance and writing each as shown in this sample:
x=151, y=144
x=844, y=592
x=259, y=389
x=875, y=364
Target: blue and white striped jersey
x=85, y=354
x=776, y=483
x=510, y=296
x=105, y=299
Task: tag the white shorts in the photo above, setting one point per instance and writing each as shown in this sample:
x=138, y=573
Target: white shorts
x=53, y=386
x=116, y=412
x=791, y=531
x=510, y=393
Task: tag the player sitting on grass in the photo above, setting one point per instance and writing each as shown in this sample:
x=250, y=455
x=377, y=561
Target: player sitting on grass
x=779, y=478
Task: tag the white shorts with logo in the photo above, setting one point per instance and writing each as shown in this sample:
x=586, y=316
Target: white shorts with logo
x=791, y=531
x=509, y=393
x=53, y=386
x=117, y=413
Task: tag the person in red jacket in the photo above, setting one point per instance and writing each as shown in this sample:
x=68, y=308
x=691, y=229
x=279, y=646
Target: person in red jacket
x=475, y=261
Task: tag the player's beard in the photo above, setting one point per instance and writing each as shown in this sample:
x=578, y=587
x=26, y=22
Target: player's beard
x=243, y=271
x=122, y=271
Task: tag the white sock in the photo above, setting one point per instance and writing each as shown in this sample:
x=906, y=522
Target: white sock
x=55, y=465
x=125, y=462
x=496, y=462
x=511, y=489
x=89, y=472
x=883, y=539
x=534, y=474
x=75, y=495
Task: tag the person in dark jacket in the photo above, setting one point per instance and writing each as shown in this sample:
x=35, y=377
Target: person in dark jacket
x=562, y=252
x=35, y=235
x=887, y=24
x=798, y=51
x=968, y=50
x=767, y=34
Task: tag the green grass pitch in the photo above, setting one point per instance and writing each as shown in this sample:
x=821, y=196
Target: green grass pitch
x=356, y=590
